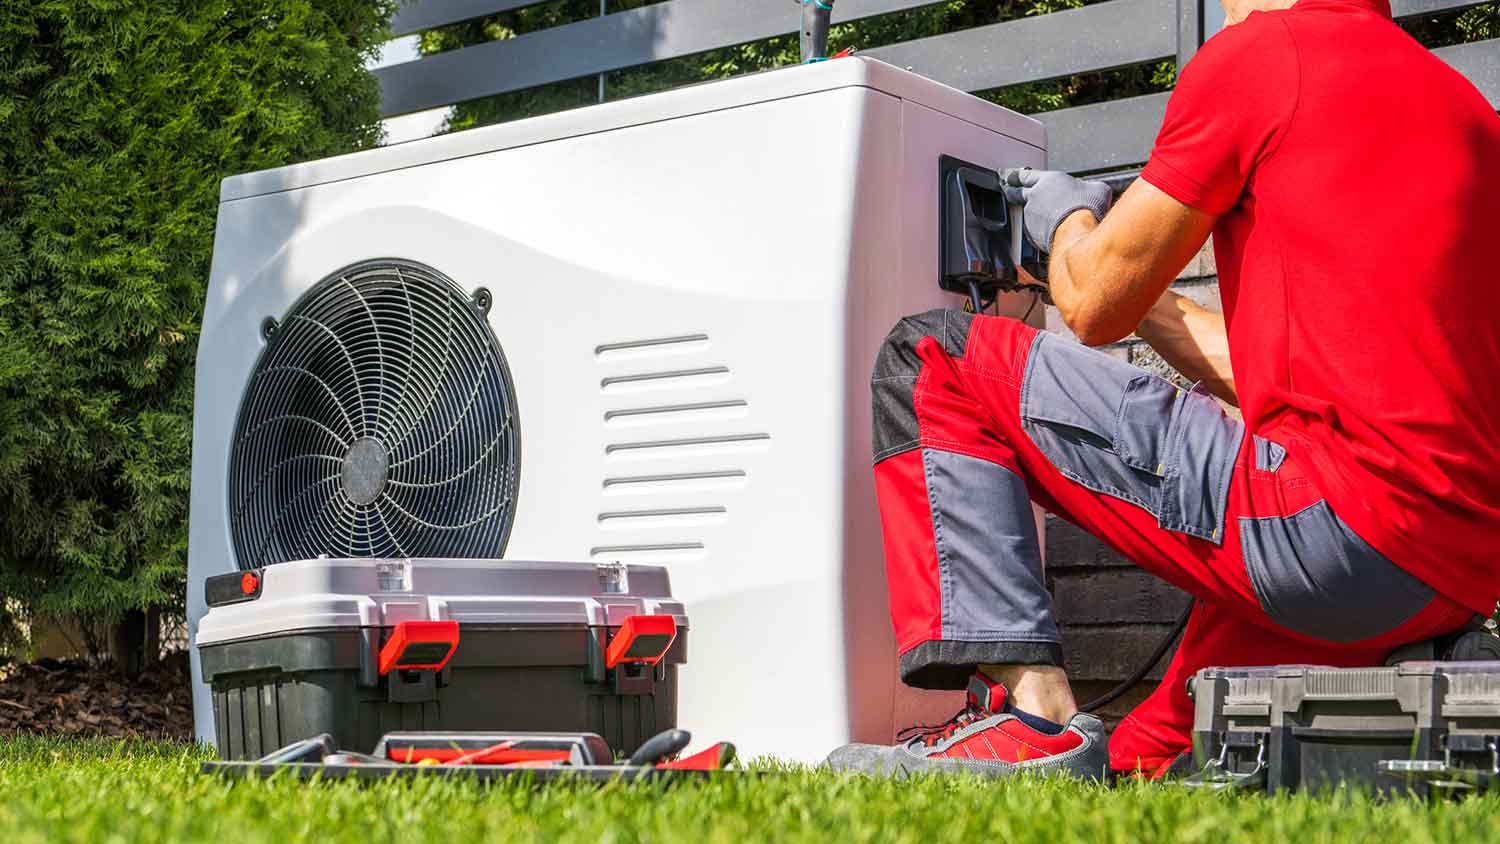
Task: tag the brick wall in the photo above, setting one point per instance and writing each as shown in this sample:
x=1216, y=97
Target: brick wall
x=1112, y=614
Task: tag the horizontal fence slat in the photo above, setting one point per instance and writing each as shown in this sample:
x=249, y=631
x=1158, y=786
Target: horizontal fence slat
x=417, y=15
x=1407, y=8
x=1103, y=136
x=1480, y=61
x=1096, y=137
x=1097, y=37
x=615, y=41
x=1119, y=133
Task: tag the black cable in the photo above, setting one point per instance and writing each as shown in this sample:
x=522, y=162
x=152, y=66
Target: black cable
x=1036, y=297
x=1140, y=674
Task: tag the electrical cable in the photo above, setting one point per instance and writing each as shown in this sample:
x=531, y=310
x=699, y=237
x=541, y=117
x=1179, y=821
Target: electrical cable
x=1140, y=674
x=1036, y=297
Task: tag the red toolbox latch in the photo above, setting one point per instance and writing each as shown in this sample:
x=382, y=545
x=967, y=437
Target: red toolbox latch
x=419, y=645
x=642, y=638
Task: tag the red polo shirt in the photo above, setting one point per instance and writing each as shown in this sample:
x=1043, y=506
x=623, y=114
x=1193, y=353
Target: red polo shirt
x=1357, y=182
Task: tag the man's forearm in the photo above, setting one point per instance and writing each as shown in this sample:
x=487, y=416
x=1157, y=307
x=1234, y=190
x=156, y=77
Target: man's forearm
x=1106, y=276
x=1194, y=340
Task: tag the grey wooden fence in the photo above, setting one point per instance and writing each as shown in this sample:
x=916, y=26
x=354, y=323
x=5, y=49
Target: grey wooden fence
x=1111, y=34
x=1100, y=137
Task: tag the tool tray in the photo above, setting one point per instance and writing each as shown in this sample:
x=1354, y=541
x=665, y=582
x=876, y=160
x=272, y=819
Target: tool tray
x=481, y=773
x=485, y=757
x=357, y=648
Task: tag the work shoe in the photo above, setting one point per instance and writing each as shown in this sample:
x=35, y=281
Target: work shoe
x=987, y=738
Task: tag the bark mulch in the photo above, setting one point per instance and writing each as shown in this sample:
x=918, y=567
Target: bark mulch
x=78, y=699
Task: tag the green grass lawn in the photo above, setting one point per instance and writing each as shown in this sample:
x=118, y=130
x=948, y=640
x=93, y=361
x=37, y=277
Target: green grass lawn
x=104, y=791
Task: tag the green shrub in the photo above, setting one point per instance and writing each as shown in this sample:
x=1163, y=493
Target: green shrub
x=118, y=118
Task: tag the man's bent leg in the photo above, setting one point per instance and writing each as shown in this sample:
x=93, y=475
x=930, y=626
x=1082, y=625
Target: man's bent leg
x=1157, y=472
x=964, y=563
x=962, y=554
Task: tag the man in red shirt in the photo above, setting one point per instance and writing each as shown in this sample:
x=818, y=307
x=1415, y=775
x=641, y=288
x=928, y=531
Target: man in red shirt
x=1351, y=181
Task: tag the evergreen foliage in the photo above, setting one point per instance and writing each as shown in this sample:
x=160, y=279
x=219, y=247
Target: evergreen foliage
x=118, y=119
x=1461, y=26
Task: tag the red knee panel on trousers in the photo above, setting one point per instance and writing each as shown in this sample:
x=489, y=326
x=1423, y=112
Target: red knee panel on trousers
x=948, y=417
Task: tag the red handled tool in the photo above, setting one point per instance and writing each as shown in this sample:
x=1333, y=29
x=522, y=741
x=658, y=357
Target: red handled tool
x=715, y=758
x=497, y=748
x=661, y=751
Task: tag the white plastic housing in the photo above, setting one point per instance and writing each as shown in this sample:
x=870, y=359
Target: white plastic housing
x=746, y=244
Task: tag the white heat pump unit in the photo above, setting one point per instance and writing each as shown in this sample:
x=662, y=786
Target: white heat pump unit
x=637, y=332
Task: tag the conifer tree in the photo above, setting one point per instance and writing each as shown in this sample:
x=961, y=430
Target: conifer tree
x=118, y=119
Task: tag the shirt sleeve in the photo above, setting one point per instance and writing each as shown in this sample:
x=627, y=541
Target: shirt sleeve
x=1232, y=105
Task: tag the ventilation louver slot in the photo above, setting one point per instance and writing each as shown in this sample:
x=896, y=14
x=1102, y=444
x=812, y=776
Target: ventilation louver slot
x=678, y=435
x=380, y=421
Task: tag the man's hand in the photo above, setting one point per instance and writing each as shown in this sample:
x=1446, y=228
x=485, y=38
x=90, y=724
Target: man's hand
x=1111, y=277
x=1050, y=196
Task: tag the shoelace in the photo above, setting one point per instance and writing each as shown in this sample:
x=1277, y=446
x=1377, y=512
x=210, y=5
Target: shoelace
x=931, y=734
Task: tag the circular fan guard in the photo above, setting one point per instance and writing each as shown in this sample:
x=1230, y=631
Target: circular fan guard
x=380, y=422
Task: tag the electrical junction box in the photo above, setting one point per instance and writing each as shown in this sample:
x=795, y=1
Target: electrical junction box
x=639, y=332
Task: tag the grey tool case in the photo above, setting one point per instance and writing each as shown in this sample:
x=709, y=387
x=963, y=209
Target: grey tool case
x=294, y=650
x=1409, y=727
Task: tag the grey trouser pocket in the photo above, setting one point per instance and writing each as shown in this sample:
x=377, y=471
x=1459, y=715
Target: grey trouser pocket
x=1315, y=576
x=1125, y=433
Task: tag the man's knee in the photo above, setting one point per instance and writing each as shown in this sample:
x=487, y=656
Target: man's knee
x=897, y=366
x=898, y=353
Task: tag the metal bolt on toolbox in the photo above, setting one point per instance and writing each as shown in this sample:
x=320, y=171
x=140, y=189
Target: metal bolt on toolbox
x=357, y=648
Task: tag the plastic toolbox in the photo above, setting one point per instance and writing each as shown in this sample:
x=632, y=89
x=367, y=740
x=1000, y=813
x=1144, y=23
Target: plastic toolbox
x=358, y=648
x=1394, y=728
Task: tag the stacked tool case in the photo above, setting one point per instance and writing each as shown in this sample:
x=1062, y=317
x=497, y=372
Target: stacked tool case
x=1307, y=727
x=358, y=648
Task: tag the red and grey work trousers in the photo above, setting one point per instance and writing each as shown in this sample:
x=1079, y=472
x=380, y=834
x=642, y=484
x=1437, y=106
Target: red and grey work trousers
x=976, y=417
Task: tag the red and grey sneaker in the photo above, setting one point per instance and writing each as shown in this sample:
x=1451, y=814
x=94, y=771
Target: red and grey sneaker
x=987, y=738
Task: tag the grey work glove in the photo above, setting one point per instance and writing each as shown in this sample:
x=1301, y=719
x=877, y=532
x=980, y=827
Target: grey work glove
x=1049, y=197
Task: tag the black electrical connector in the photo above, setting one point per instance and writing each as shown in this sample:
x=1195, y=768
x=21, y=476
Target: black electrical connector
x=978, y=235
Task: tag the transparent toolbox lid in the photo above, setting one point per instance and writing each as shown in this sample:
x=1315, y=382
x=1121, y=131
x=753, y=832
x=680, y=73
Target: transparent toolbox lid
x=331, y=593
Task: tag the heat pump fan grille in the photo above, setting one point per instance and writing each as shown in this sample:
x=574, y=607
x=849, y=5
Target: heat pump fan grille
x=380, y=422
